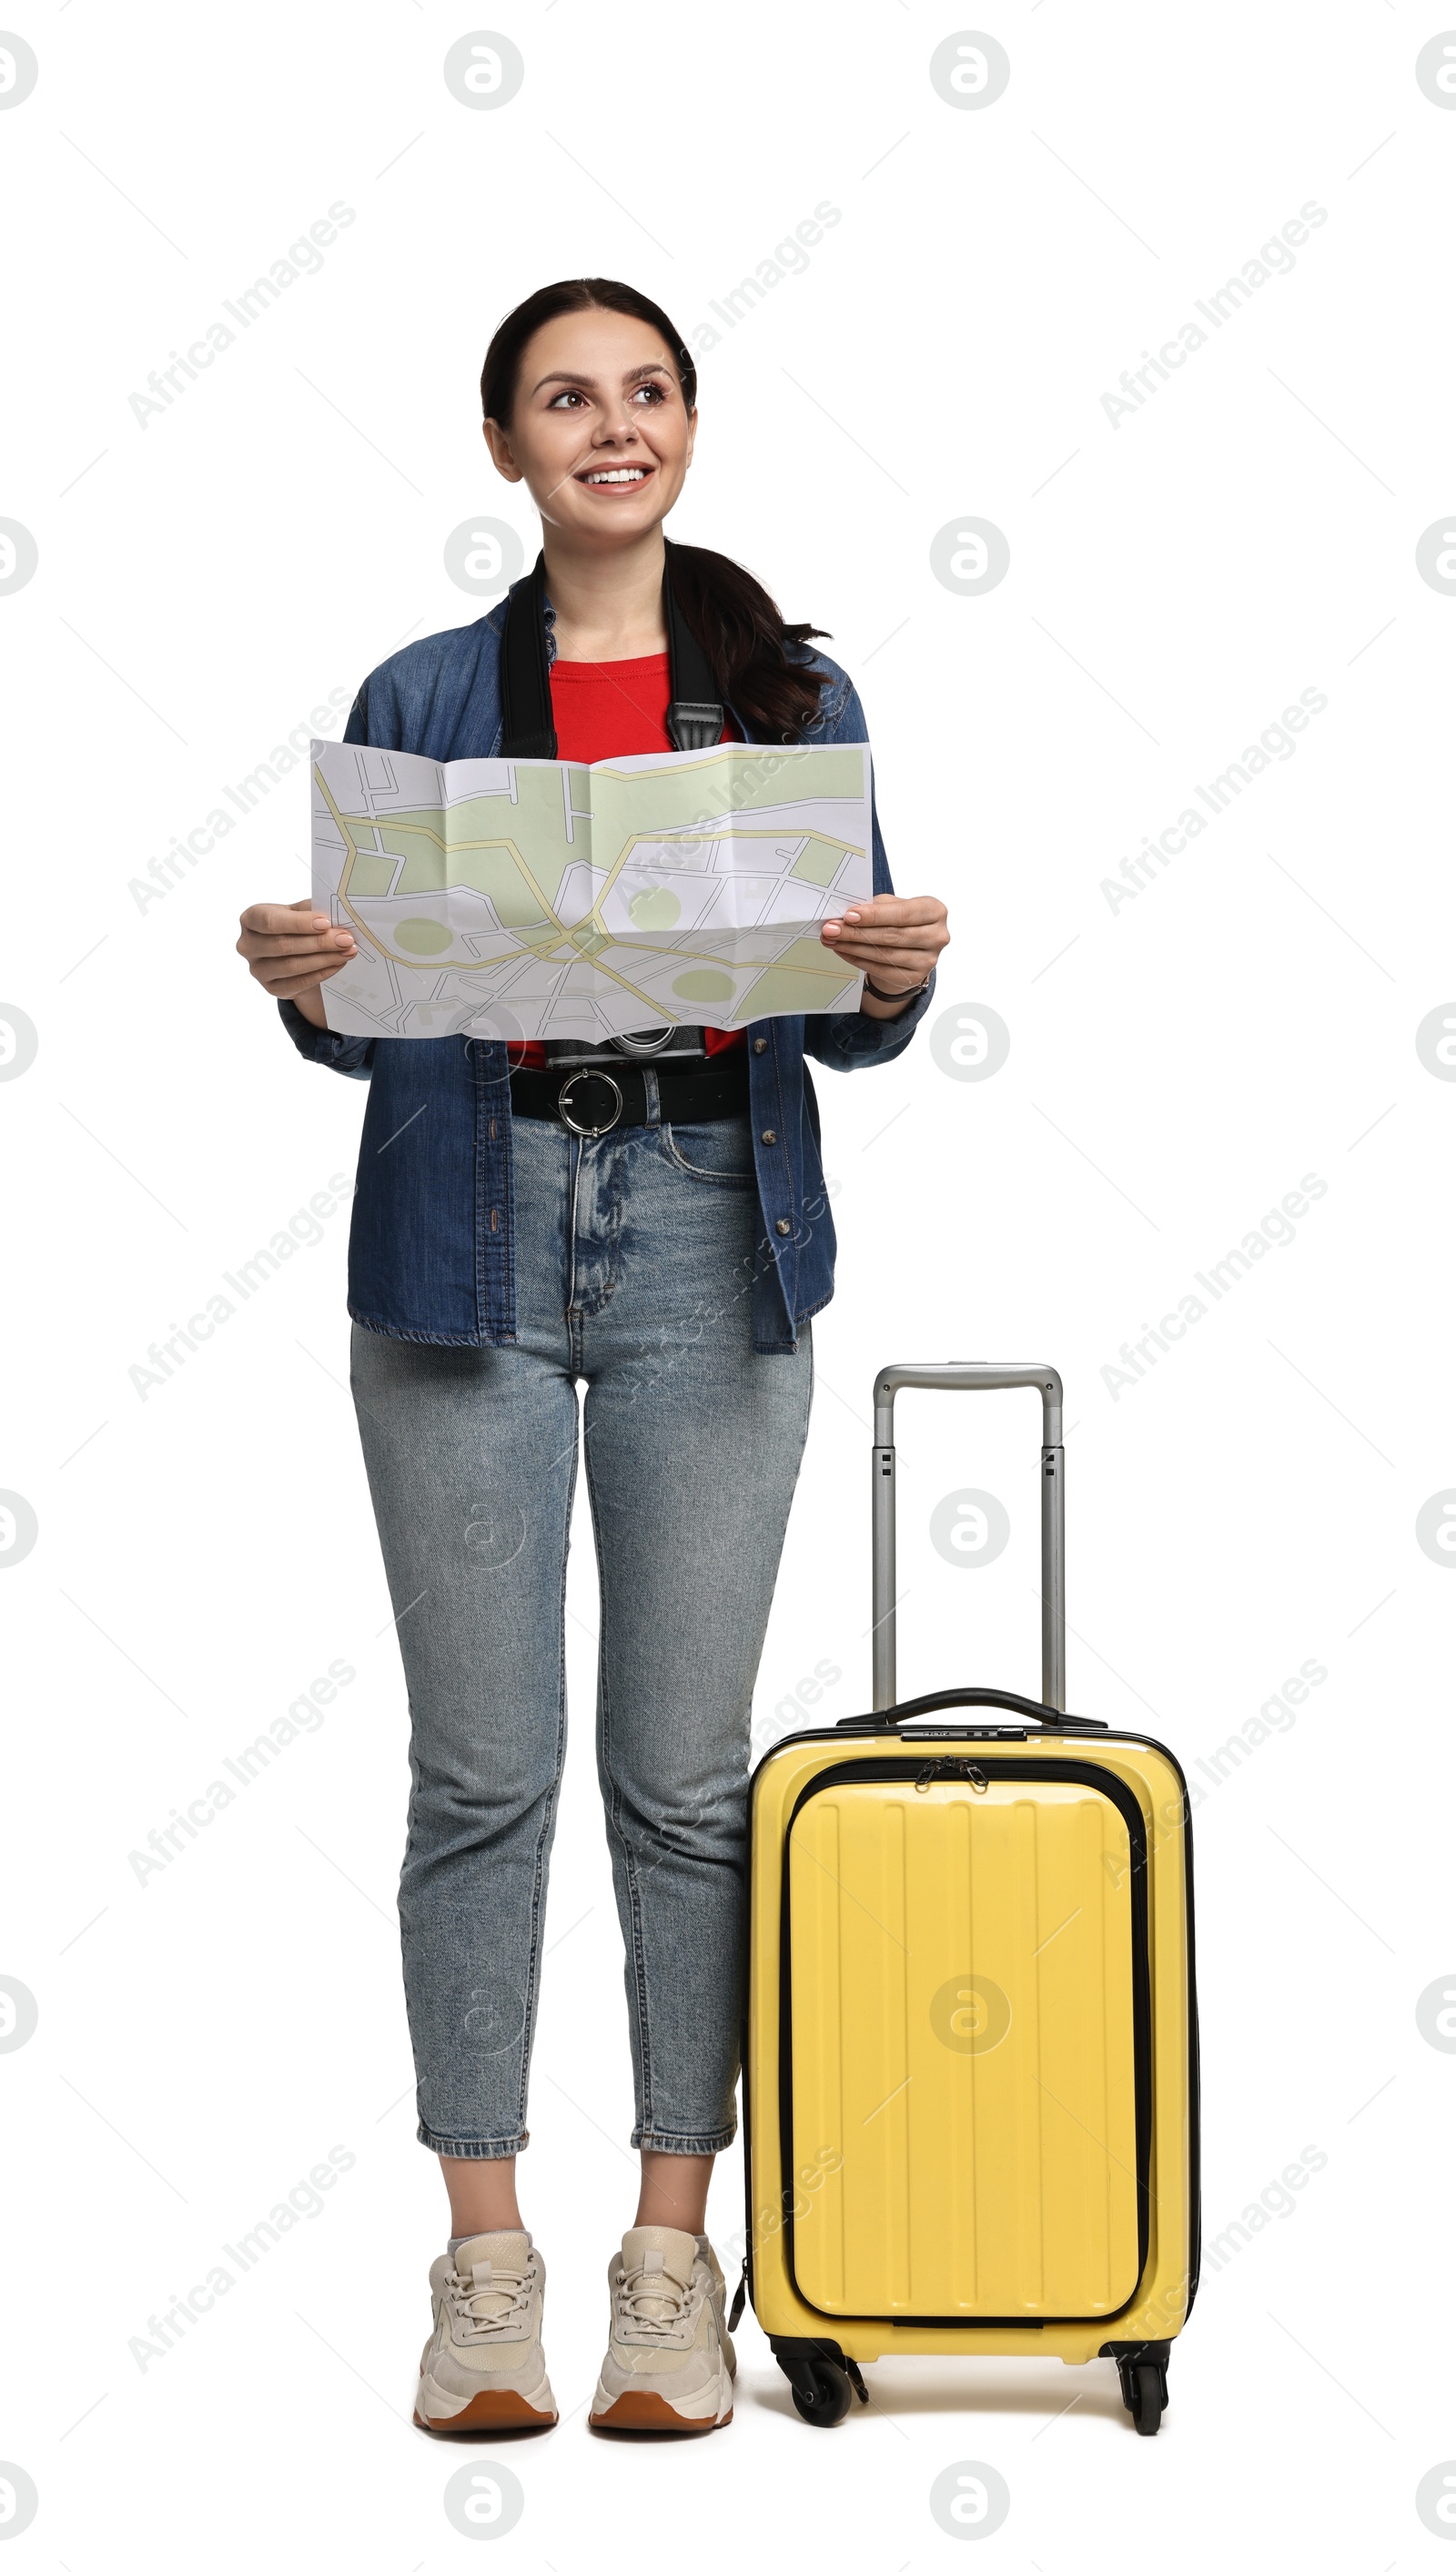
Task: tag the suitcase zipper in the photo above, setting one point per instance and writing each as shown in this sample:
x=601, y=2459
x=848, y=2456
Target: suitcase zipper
x=975, y=1777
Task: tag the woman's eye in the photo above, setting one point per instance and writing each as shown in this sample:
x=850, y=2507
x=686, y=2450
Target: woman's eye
x=562, y=398
x=651, y=395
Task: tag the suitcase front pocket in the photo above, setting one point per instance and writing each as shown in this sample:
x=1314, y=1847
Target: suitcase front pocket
x=964, y=2035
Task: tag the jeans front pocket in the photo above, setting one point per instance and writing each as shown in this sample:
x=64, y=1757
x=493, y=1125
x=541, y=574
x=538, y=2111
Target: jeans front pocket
x=720, y=1151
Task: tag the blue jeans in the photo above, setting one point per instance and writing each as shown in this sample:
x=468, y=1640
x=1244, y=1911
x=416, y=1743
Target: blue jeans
x=635, y=1258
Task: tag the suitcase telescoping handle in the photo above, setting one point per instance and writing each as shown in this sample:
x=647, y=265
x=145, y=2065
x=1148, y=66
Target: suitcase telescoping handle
x=1052, y=1717
x=971, y=1377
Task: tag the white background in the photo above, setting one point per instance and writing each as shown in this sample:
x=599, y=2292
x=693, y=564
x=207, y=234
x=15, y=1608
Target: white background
x=1177, y=1065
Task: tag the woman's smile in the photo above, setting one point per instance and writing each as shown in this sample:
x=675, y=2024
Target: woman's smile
x=615, y=478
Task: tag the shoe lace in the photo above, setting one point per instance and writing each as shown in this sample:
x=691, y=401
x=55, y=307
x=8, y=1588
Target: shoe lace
x=645, y=2292
x=505, y=2290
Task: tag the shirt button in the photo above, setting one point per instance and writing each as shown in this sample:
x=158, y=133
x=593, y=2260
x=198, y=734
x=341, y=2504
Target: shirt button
x=760, y=1044
x=768, y=1135
x=782, y=1225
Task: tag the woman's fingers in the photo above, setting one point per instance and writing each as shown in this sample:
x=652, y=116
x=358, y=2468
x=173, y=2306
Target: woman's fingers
x=285, y=923
x=896, y=911
x=852, y=944
x=890, y=926
x=283, y=986
x=281, y=919
x=274, y=922
x=289, y=947
x=862, y=950
x=856, y=946
x=893, y=937
x=843, y=932
x=299, y=938
x=332, y=949
x=293, y=968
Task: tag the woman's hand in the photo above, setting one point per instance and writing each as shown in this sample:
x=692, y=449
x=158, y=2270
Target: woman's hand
x=895, y=939
x=291, y=956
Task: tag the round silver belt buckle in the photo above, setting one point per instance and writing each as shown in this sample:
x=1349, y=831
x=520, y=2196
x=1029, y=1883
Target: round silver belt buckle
x=564, y=1113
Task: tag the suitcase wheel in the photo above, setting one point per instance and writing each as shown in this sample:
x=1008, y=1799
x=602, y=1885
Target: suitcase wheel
x=822, y=2379
x=1143, y=2375
x=1144, y=2393
x=821, y=2394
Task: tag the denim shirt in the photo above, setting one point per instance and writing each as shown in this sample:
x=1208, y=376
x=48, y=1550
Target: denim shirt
x=431, y=1242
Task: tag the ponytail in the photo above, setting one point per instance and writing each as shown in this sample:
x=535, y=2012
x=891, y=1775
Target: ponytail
x=747, y=643
x=761, y=666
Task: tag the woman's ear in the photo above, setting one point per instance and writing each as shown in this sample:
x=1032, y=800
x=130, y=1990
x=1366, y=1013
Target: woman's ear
x=501, y=454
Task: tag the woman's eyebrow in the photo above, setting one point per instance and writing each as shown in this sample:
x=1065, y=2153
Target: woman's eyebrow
x=588, y=383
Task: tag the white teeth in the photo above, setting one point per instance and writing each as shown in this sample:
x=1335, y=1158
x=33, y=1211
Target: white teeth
x=625, y=473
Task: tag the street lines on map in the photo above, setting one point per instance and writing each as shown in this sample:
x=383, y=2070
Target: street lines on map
x=424, y=831
x=558, y=935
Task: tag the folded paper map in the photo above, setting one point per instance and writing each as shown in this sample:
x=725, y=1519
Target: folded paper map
x=545, y=898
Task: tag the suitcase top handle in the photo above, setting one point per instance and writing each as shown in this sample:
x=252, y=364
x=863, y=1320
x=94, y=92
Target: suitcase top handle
x=1049, y=1717
x=970, y=1376
x=967, y=1375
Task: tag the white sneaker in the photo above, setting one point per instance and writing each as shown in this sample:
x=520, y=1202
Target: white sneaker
x=669, y=2362
x=482, y=2367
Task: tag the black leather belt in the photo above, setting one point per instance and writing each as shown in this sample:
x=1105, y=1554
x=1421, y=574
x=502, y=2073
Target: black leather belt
x=593, y=1102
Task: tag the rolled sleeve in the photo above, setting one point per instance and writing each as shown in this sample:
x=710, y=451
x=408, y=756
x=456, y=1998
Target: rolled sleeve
x=851, y=1037
x=352, y=1056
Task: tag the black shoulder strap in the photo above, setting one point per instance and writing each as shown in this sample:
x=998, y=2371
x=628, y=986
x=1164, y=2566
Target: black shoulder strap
x=525, y=678
x=695, y=714
x=695, y=709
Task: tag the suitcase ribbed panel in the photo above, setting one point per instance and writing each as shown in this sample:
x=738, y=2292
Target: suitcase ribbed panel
x=962, y=2050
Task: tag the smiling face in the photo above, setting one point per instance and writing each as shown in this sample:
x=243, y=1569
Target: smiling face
x=600, y=433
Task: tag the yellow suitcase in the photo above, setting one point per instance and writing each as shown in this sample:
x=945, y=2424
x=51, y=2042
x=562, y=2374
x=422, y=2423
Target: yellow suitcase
x=970, y=2051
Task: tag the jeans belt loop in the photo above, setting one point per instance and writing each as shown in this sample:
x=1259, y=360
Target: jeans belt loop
x=650, y=1096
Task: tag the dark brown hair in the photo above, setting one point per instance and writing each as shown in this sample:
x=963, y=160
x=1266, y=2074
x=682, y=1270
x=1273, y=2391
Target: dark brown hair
x=759, y=662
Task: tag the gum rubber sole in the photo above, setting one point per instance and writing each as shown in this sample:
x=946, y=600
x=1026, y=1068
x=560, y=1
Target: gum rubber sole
x=647, y=2413
x=486, y=2412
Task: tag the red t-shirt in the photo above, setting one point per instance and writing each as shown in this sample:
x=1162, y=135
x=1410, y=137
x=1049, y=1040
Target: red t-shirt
x=604, y=710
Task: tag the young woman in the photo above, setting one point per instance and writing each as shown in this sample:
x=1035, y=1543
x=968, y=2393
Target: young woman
x=648, y=1217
